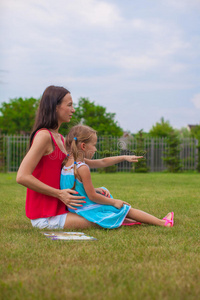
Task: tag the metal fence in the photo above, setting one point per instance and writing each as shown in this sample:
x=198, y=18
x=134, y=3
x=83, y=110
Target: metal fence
x=13, y=148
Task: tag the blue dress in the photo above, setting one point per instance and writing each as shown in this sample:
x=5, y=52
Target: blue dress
x=106, y=216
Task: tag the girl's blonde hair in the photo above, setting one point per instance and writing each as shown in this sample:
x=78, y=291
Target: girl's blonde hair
x=77, y=135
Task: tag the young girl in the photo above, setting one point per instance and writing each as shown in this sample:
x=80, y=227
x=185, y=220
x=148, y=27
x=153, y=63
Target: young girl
x=97, y=208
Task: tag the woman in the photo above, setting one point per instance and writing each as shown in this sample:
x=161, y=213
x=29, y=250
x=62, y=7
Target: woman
x=40, y=168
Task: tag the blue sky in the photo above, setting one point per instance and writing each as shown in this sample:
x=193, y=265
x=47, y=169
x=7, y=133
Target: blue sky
x=140, y=59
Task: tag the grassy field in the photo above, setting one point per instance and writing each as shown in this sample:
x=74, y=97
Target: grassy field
x=139, y=262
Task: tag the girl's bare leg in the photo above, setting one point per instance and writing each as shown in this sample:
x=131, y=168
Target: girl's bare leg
x=144, y=217
x=74, y=221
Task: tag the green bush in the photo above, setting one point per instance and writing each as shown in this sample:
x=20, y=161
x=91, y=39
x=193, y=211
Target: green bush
x=141, y=165
x=172, y=158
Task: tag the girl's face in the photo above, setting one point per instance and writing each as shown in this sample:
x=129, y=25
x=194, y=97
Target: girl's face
x=90, y=148
x=65, y=110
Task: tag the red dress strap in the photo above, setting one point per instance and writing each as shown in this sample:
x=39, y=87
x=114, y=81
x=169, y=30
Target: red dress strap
x=62, y=138
x=52, y=137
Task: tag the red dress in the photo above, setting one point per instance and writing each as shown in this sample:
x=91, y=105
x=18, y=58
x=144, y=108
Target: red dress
x=48, y=171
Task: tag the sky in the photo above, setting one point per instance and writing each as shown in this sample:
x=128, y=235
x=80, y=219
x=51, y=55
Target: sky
x=138, y=58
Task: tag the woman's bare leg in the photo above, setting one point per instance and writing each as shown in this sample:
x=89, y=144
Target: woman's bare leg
x=144, y=217
x=74, y=221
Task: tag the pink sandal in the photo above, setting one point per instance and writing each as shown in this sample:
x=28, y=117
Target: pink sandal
x=130, y=223
x=171, y=221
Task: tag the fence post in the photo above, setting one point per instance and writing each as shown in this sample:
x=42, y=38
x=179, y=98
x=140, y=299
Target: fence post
x=4, y=152
x=8, y=153
x=152, y=155
x=2, y=165
x=162, y=154
x=196, y=153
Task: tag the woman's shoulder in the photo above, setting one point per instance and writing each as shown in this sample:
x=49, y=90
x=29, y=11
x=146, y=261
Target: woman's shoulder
x=43, y=132
x=43, y=136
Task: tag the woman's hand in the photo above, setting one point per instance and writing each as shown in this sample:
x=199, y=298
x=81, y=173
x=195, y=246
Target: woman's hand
x=119, y=203
x=102, y=191
x=132, y=158
x=69, y=200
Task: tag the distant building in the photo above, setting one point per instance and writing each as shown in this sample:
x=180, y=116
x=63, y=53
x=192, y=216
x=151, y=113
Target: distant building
x=124, y=140
x=190, y=127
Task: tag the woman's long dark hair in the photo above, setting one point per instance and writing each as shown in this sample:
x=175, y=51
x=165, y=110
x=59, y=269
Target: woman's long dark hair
x=46, y=114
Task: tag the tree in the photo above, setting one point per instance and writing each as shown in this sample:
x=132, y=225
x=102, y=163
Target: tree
x=106, y=146
x=141, y=165
x=184, y=133
x=18, y=115
x=162, y=129
x=97, y=117
x=196, y=134
x=172, y=158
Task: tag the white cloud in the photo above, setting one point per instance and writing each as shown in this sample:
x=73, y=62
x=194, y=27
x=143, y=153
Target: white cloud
x=184, y=5
x=178, y=67
x=137, y=62
x=96, y=13
x=70, y=13
x=196, y=101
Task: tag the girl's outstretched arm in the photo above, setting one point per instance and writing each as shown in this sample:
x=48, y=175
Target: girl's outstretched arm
x=109, y=161
x=85, y=176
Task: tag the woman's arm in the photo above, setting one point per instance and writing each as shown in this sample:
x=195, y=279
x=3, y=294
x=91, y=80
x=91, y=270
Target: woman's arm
x=109, y=161
x=85, y=175
x=42, y=145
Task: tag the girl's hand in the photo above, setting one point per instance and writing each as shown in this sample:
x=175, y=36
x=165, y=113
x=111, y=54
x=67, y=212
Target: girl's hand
x=104, y=192
x=132, y=158
x=119, y=203
x=69, y=200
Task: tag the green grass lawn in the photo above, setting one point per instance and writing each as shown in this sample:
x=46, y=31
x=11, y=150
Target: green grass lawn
x=139, y=262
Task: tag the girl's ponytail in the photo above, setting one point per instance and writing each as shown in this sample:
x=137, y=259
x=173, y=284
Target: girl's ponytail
x=74, y=150
x=65, y=161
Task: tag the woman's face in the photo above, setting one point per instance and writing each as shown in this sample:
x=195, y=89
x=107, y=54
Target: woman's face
x=65, y=110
